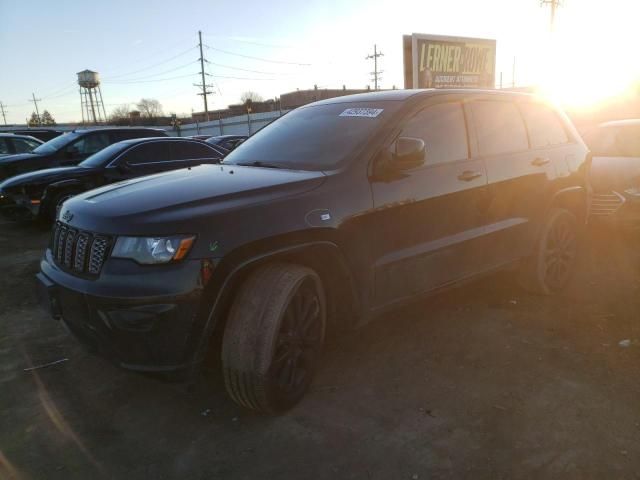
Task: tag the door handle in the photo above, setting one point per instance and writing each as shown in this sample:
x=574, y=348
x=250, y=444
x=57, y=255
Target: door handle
x=469, y=175
x=539, y=161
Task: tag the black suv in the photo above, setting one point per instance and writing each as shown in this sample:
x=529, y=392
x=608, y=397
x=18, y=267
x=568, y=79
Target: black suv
x=38, y=194
x=334, y=213
x=70, y=149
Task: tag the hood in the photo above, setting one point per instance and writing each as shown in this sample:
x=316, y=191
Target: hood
x=181, y=200
x=45, y=177
x=614, y=173
x=17, y=157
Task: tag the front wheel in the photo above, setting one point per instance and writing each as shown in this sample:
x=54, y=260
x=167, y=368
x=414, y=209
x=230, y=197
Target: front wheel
x=549, y=269
x=49, y=210
x=273, y=337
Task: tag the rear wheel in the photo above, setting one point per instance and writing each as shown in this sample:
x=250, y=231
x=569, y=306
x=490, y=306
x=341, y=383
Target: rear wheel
x=550, y=267
x=273, y=337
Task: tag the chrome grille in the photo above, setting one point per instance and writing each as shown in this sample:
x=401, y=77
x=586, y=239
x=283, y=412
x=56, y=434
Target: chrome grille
x=605, y=204
x=78, y=251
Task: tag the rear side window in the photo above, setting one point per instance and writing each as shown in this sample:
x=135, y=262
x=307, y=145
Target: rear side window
x=147, y=153
x=500, y=128
x=442, y=127
x=614, y=141
x=4, y=147
x=191, y=151
x=24, y=146
x=545, y=128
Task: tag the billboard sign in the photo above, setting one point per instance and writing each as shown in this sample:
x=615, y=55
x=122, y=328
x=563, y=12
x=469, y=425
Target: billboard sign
x=434, y=61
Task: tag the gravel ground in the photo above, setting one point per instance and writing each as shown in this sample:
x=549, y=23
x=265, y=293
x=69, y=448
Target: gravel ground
x=484, y=381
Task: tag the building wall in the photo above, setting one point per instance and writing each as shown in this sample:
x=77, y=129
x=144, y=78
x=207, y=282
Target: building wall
x=238, y=125
x=298, y=98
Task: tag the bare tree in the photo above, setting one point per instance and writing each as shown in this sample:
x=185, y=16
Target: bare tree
x=120, y=113
x=249, y=95
x=150, y=108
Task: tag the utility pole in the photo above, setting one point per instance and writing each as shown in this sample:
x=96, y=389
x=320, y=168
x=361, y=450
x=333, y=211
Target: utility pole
x=204, y=85
x=554, y=4
x=3, y=113
x=376, y=74
x=35, y=102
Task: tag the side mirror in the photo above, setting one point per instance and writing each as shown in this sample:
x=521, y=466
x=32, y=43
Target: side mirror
x=408, y=152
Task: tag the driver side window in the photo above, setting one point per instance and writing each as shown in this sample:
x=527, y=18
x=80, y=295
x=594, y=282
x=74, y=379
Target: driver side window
x=442, y=127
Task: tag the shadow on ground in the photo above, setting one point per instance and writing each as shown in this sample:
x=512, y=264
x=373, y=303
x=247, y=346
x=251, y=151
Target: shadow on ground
x=481, y=382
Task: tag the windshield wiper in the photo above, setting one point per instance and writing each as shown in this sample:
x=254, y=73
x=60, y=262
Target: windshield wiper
x=258, y=163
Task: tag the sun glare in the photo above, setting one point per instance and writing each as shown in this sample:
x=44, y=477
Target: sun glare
x=589, y=59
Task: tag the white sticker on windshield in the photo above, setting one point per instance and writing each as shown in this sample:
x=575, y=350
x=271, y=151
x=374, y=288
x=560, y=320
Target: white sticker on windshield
x=362, y=112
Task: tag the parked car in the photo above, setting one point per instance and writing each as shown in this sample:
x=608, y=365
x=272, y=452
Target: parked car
x=615, y=172
x=405, y=193
x=11, y=143
x=37, y=194
x=44, y=134
x=227, y=141
x=70, y=149
x=200, y=137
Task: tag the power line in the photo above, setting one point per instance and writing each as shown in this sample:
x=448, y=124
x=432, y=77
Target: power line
x=250, y=42
x=128, y=82
x=258, y=58
x=246, y=69
x=149, y=67
x=240, y=78
x=155, y=74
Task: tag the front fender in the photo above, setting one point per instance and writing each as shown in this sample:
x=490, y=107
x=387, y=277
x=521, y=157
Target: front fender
x=221, y=292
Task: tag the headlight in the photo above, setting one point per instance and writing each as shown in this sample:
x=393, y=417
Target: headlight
x=150, y=250
x=635, y=191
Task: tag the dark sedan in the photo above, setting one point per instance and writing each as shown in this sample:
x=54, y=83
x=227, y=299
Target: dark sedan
x=227, y=141
x=11, y=143
x=615, y=171
x=70, y=149
x=37, y=194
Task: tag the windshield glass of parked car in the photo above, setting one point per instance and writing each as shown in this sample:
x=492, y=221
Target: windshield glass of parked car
x=615, y=141
x=317, y=137
x=57, y=143
x=102, y=157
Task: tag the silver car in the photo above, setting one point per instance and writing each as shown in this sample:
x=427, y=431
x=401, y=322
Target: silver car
x=615, y=171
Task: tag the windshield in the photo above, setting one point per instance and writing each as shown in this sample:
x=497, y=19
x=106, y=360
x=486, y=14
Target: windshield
x=615, y=141
x=57, y=143
x=314, y=138
x=104, y=156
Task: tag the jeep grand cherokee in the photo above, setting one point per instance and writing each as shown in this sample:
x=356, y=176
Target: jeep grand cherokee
x=337, y=211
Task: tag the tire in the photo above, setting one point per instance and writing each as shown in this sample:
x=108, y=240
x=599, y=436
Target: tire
x=550, y=267
x=50, y=212
x=271, y=347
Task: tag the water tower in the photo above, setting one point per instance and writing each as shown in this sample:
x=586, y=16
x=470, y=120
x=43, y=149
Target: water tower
x=91, y=97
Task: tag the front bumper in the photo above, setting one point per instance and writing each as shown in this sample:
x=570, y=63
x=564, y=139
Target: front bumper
x=144, y=318
x=16, y=207
x=613, y=207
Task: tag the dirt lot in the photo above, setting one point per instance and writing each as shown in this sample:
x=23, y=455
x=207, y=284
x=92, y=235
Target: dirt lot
x=482, y=382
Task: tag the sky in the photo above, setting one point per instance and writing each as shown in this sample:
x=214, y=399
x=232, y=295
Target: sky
x=148, y=49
